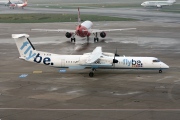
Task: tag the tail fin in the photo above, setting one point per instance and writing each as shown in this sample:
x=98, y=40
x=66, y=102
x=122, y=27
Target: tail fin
x=25, y=1
x=25, y=47
x=79, y=19
x=9, y=2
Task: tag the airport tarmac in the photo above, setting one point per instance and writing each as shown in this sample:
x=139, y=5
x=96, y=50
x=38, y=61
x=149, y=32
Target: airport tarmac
x=31, y=91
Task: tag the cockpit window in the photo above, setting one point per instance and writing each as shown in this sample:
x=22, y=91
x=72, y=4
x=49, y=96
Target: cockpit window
x=156, y=60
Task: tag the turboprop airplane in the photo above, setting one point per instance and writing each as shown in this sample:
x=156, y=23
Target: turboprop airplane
x=158, y=4
x=83, y=30
x=94, y=60
x=19, y=5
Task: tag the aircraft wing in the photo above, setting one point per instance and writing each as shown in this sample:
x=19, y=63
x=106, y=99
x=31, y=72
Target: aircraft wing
x=55, y=30
x=109, y=30
x=95, y=55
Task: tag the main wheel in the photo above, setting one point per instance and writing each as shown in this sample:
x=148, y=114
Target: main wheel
x=91, y=74
x=160, y=71
x=74, y=39
x=94, y=39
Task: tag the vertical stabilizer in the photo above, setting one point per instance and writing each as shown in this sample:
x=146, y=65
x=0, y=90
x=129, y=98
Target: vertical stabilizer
x=79, y=19
x=25, y=1
x=25, y=48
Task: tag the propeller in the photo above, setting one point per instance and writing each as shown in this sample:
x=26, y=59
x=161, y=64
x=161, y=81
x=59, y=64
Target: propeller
x=114, y=60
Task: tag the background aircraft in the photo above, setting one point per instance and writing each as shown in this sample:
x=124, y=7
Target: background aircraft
x=158, y=4
x=83, y=30
x=5, y=3
x=19, y=5
x=94, y=60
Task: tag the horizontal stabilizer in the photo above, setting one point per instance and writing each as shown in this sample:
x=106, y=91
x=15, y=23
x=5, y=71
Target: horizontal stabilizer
x=15, y=36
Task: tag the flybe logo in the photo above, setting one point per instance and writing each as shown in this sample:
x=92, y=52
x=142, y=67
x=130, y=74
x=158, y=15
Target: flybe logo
x=37, y=58
x=28, y=49
x=133, y=63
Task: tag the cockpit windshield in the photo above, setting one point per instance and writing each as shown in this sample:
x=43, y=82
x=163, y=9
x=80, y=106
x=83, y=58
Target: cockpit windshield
x=156, y=60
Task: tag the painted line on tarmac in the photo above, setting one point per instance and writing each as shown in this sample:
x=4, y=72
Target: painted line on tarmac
x=37, y=72
x=23, y=75
x=49, y=109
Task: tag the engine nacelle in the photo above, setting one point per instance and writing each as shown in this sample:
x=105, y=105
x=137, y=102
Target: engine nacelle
x=68, y=35
x=103, y=34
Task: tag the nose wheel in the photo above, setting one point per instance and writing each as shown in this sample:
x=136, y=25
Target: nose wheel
x=160, y=71
x=91, y=74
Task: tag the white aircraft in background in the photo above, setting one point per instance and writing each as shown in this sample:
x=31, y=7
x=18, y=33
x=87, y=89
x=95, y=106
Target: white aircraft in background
x=83, y=30
x=5, y=3
x=94, y=60
x=19, y=5
x=158, y=4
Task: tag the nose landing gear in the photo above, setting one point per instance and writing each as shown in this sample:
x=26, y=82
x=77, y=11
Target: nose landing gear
x=91, y=74
x=160, y=71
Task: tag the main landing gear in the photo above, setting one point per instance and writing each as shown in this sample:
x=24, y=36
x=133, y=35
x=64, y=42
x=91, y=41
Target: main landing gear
x=73, y=39
x=91, y=74
x=96, y=39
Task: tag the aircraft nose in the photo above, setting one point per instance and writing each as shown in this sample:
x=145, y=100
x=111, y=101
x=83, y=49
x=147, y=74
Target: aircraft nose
x=165, y=66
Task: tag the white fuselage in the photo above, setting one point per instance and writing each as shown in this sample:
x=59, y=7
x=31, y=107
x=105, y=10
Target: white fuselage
x=83, y=29
x=87, y=24
x=22, y=5
x=79, y=61
x=157, y=3
x=94, y=60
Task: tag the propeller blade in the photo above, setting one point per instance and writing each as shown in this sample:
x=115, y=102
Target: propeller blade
x=114, y=60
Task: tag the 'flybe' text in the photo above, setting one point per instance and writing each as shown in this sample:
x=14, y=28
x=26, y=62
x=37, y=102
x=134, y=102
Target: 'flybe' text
x=133, y=63
x=37, y=58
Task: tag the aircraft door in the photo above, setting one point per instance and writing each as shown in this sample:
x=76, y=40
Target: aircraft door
x=62, y=62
